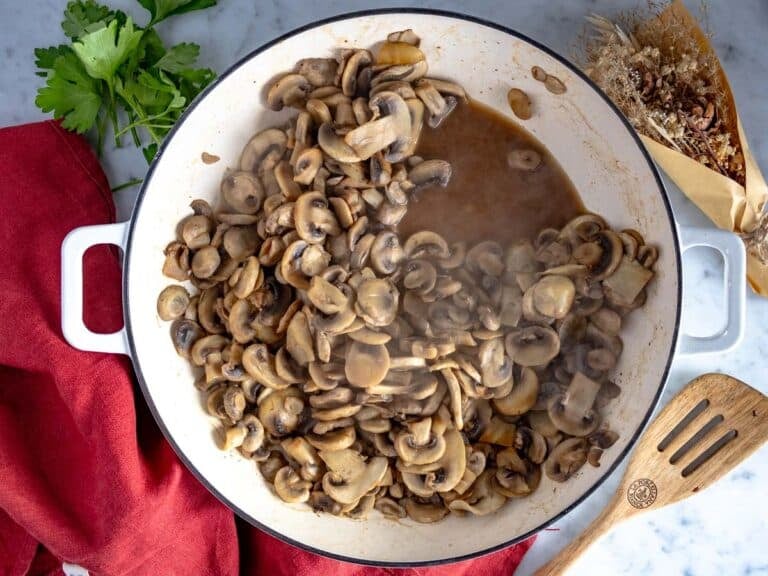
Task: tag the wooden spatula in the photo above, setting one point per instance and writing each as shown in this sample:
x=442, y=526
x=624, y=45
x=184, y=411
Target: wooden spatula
x=714, y=423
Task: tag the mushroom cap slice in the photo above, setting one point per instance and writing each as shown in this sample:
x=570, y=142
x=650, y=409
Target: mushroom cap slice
x=366, y=364
x=377, y=301
x=303, y=453
x=495, y=365
x=572, y=412
x=260, y=364
x=334, y=440
x=243, y=192
x=430, y=173
x=289, y=90
x=453, y=463
x=566, y=459
x=426, y=244
x=325, y=296
x=313, y=218
x=481, y=499
x=172, y=302
x=349, y=477
x=184, y=333
x=389, y=104
x=424, y=513
x=533, y=345
x=611, y=254
x=263, y=151
x=386, y=253
x=290, y=487
x=522, y=397
x=334, y=145
x=373, y=136
x=281, y=411
x=553, y=296
x=418, y=444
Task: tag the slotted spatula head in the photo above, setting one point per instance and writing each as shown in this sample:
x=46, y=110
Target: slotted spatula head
x=706, y=430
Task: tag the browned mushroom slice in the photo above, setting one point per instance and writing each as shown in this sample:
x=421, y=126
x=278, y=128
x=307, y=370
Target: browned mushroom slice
x=533, y=345
x=172, y=302
x=377, y=302
x=566, y=459
x=290, y=90
x=430, y=173
x=240, y=242
x=553, y=296
x=532, y=444
x=419, y=444
x=522, y=396
x=196, y=231
x=426, y=244
x=387, y=104
x=263, y=151
x=495, y=365
x=366, y=364
x=438, y=106
x=314, y=219
x=281, y=411
x=349, y=477
x=334, y=145
x=481, y=499
x=260, y=364
x=243, y=192
x=374, y=136
x=611, y=254
x=386, y=253
x=290, y=487
x=184, y=333
x=572, y=412
x=515, y=478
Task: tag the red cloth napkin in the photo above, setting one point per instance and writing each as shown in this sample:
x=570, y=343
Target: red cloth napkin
x=85, y=475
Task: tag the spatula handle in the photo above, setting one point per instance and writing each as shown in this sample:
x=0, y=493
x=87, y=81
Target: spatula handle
x=612, y=514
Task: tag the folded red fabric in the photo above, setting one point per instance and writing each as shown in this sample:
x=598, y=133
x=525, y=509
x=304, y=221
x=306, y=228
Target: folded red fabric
x=85, y=475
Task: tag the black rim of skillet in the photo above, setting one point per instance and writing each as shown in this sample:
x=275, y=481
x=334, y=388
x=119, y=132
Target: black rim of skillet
x=137, y=367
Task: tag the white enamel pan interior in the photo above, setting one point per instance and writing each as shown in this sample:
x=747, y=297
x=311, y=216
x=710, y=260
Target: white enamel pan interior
x=592, y=142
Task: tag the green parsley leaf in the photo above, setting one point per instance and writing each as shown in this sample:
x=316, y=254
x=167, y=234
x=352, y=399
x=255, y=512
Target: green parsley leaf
x=70, y=94
x=179, y=57
x=149, y=152
x=102, y=52
x=162, y=9
x=81, y=16
x=45, y=58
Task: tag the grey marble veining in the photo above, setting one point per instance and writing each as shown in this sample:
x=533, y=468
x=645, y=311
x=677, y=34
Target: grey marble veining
x=721, y=532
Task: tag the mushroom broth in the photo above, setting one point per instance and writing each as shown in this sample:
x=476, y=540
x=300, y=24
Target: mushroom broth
x=487, y=199
x=372, y=351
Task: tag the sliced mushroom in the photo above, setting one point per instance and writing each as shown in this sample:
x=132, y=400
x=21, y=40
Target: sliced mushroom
x=533, y=345
x=386, y=253
x=290, y=90
x=439, y=107
x=495, y=365
x=307, y=165
x=290, y=487
x=281, y=411
x=522, y=397
x=553, y=296
x=566, y=459
x=481, y=499
x=431, y=173
x=314, y=219
x=390, y=104
x=366, y=364
x=349, y=477
x=573, y=411
x=172, y=302
x=377, y=301
x=419, y=445
x=334, y=145
x=426, y=244
x=243, y=192
x=263, y=151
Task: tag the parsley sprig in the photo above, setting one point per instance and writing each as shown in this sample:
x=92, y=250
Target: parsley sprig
x=115, y=72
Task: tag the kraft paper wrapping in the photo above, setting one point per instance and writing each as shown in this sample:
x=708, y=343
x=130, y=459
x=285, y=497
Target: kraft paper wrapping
x=727, y=203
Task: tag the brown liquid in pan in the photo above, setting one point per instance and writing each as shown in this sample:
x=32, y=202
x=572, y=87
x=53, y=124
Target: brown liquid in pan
x=486, y=199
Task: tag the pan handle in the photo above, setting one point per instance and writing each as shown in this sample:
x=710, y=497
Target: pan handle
x=734, y=256
x=72, y=249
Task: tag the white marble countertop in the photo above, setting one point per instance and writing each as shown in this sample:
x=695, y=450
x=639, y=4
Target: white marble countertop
x=723, y=531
